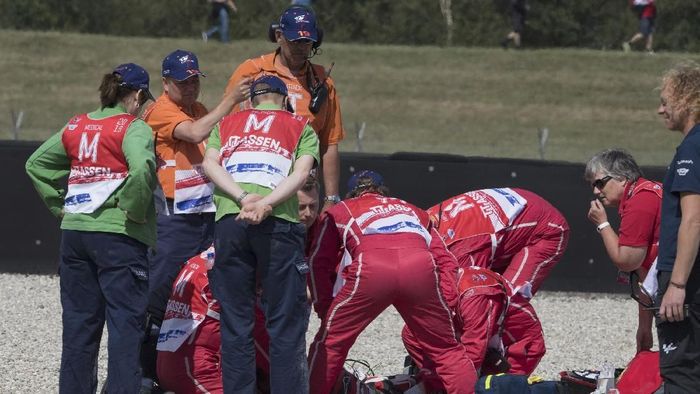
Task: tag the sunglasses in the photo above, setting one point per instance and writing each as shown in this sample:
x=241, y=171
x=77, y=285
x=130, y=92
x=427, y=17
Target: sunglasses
x=301, y=41
x=646, y=300
x=600, y=183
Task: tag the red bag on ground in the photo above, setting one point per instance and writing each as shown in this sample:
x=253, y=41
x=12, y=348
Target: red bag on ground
x=579, y=382
x=642, y=375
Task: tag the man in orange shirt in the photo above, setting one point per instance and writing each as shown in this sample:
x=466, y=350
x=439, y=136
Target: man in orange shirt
x=311, y=90
x=185, y=221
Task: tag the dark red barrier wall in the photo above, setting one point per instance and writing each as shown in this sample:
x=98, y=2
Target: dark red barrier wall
x=30, y=235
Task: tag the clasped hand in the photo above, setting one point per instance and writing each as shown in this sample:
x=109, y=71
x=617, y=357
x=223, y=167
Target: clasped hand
x=254, y=210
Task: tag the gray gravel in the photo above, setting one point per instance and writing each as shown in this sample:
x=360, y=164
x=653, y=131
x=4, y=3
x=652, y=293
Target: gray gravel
x=581, y=331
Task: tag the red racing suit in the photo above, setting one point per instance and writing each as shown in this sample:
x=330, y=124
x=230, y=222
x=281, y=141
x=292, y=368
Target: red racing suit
x=189, y=345
x=493, y=320
x=513, y=232
x=384, y=255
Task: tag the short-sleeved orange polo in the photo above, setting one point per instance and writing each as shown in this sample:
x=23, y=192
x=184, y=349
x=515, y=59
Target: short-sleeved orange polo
x=171, y=153
x=327, y=122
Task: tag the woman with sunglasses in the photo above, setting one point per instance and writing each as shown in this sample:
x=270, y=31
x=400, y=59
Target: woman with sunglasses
x=617, y=182
x=108, y=223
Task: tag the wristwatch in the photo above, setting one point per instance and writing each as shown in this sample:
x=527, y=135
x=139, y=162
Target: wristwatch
x=240, y=198
x=333, y=198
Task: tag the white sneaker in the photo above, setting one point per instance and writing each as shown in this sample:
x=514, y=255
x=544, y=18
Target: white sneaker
x=205, y=37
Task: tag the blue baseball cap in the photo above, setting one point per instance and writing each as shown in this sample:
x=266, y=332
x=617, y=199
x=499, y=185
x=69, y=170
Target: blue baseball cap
x=299, y=23
x=272, y=84
x=134, y=77
x=180, y=65
x=375, y=179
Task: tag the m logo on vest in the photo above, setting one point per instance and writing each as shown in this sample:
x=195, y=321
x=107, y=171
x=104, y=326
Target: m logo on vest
x=86, y=150
x=265, y=124
x=182, y=282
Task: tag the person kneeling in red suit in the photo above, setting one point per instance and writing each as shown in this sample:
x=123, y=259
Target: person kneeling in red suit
x=499, y=328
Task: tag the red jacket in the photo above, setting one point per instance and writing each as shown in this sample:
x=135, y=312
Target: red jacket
x=341, y=230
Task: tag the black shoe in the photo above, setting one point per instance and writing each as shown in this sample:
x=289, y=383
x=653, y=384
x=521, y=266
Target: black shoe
x=150, y=386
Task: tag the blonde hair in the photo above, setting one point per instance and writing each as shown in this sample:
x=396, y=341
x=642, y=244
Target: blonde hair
x=682, y=83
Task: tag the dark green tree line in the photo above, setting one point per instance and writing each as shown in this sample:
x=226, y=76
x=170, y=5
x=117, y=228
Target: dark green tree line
x=551, y=23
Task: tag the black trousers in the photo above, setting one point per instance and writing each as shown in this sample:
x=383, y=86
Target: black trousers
x=679, y=342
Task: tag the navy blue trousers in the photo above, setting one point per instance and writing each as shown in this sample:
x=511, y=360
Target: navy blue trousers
x=180, y=237
x=679, y=342
x=270, y=254
x=103, y=276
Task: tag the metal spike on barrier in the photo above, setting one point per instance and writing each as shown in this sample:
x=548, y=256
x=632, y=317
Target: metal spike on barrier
x=16, y=123
x=360, y=132
x=543, y=135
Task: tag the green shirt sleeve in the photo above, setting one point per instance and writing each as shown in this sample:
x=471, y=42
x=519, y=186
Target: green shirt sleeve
x=214, y=140
x=47, y=167
x=135, y=197
x=308, y=144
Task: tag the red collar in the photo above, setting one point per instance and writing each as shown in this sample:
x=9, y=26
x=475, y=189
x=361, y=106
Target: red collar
x=626, y=194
